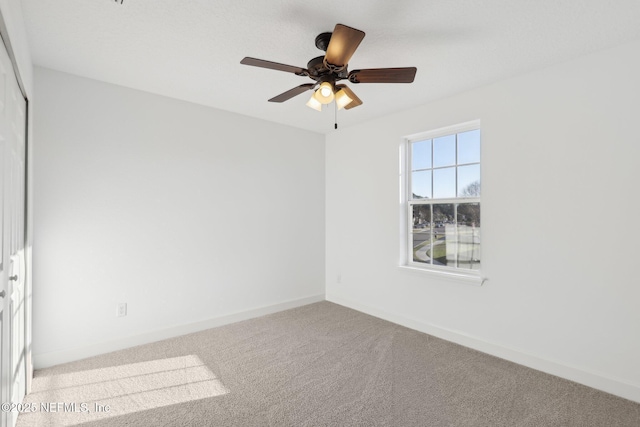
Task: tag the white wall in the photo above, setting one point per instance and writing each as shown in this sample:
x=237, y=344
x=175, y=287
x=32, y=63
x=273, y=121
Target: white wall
x=559, y=221
x=186, y=213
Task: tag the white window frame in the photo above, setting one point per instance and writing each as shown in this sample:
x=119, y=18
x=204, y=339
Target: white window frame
x=407, y=203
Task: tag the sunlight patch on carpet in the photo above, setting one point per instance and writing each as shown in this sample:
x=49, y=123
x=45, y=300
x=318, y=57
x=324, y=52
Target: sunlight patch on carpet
x=79, y=397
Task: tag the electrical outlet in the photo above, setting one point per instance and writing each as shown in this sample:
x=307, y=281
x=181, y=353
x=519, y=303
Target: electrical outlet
x=339, y=278
x=121, y=309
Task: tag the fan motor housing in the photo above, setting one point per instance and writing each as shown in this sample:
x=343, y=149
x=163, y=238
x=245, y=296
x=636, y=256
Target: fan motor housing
x=316, y=67
x=318, y=70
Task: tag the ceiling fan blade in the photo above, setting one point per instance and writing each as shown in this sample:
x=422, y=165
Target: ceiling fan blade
x=344, y=42
x=383, y=75
x=273, y=65
x=292, y=92
x=355, y=101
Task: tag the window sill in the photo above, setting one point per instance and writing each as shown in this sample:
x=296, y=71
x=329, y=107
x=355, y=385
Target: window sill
x=468, y=278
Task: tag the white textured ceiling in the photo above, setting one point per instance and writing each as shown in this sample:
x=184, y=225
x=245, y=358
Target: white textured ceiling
x=191, y=49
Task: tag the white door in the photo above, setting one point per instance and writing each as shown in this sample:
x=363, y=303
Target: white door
x=12, y=287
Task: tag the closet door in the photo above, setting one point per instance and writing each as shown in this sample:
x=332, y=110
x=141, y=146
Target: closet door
x=12, y=286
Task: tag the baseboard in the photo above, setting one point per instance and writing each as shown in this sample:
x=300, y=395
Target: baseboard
x=591, y=379
x=45, y=360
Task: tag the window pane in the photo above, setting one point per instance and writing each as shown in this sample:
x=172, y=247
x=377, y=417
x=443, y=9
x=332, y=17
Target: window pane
x=469, y=147
x=444, y=183
x=421, y=155
x=469, y=181
x=443, y=247
x=421, y=233
x=469, y=236
x=444, y=151
x=469, y=214
x=421, y=185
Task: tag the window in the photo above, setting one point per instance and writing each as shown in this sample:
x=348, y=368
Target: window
x=442, y=181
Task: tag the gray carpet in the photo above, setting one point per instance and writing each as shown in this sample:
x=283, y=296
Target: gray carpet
x=317, y=365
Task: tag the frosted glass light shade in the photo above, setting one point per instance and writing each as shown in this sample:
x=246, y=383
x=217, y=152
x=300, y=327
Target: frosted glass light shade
x=314, y=103
x=342, y=99
x=324, y=94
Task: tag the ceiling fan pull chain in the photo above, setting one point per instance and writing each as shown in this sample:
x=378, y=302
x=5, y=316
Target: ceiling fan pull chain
x=335, y=110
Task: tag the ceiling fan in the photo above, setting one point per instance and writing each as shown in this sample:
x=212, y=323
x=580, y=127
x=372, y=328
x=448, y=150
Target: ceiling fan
x=331, y=68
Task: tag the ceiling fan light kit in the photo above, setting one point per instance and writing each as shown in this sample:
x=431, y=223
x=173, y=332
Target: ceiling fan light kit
x=324, y=95
x=327, y=70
